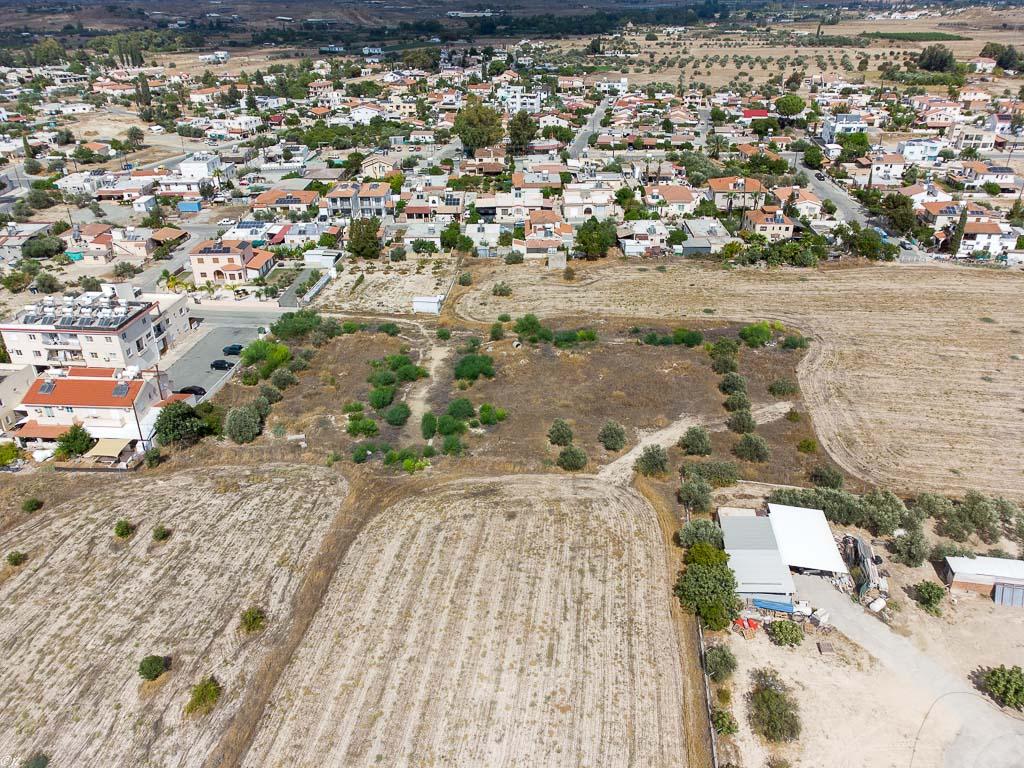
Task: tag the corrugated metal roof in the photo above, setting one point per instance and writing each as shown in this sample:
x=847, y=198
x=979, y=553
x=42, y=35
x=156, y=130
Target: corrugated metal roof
x=748, y=533
x=754, y=557
x=991, y=567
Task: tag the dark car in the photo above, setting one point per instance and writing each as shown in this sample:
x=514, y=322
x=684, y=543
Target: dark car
x=819, y=176
x=221, y=365
x=192, y=390
x=232, y=349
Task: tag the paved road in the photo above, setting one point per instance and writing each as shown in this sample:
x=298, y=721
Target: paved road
x=987, y=736
x=149, y=279
x=589, y=128
x=193, y=367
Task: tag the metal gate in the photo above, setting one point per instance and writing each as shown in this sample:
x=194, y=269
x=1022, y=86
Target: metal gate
x=1010, y=594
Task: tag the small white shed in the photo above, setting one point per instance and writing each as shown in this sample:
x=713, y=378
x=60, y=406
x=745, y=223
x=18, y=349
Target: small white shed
x=427, y=305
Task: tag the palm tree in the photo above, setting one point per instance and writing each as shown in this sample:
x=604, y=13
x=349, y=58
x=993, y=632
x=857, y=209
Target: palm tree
x=716, y=144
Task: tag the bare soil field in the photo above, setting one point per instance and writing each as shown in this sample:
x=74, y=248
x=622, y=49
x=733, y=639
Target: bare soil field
x=892, y=348
x=389, y=290
x=79, y=616
x=875, y=724
x=520, y=620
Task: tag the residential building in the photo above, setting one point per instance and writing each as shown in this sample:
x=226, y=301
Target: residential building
x=351, y=200
x=229, y=261
x=841, y=124
x=731, y=192
x=769, y=222
x=671, y=200
x=286, y=200
x=15, y=379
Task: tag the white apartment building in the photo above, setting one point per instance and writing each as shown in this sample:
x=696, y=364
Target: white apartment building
x=515, y=98
x=111, y=328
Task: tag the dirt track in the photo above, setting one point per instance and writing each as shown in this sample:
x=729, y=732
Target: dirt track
x=520, y=621
x=914, y=377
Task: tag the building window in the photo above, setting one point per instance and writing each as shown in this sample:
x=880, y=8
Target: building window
x=36, y=353
x=88, y=338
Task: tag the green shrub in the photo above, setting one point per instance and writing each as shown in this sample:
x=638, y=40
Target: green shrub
x=737, y=402
x=152, y=457
x=35, y=760
x=31, y=504
x=612, y=436
x=785, y=632
x=391, y=329
x=782, y=388
x=807, y=445
x=352, y=407
x=282, y=378
x=741, y=422
x=572, y=458
x=501, y=288
x=911, y=548
x=774, y=713
x=709, y=591
x=696, y=442
x=504, y=317
x=151, y=667
x=449, y=425
x=724, y=365
x=490, y=415
x=361, y=426
x=204, y=697
x=123, y=529
x=704, y=553
x=732, y=383
x=428, y=425
x=381, y=397
x=452, y=446
x=756, y=334
x=929, y=596
x=429, y=452
x=444, y=334
x=382, y=378
x=471, y=367
x=497, y=332
x=825, y=476
x=560, y=433
x=410, y=372
x=796, y=341
x=243, y=425
x=465, y=279
x=461, y=408
x=696, y=531
x=9, y=453
x=16, y=558
x=253, y=619
x=272, y=394
x=397, y=414
x=695, y=495
x=718, y=474
x=723, y=722
x=719, y=663
x=75, y=442
x=793, y=415
x=687, y=338
x=752, y=448
x=653, y=460
x=1005, y=685
x=161, y=533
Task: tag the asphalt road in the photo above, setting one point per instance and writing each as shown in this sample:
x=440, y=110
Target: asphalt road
x=847, y=207
x=193, y=368
x=590, y=127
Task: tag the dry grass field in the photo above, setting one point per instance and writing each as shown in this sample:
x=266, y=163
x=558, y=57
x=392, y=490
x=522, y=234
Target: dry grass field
x=78, y=617
x=520, y=620
x=911, y=380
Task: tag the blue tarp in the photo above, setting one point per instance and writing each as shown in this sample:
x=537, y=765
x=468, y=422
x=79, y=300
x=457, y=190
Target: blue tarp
x=772, y=605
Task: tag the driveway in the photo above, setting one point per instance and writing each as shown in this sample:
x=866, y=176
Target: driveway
x=193, y=367
x=988, y=738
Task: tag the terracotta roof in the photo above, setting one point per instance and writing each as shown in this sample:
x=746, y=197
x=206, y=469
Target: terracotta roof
x=85, y=393
x=33, y=429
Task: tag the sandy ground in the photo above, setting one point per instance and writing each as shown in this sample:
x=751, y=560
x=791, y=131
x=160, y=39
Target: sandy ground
x=79, y=616
x=517, y=621
x=389, y=288
x=893, y=348
x=854, y=712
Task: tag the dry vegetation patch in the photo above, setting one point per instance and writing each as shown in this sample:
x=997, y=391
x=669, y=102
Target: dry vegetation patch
x=515, y=621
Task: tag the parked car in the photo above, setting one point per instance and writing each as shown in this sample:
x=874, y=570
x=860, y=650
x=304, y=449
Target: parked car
x=906, y=245
x=819, y=176
x=221, y=365
x=232, y=349
x=191, y=390
x=226, y=223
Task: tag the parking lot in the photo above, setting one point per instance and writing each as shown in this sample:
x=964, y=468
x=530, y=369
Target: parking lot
x=193, y=367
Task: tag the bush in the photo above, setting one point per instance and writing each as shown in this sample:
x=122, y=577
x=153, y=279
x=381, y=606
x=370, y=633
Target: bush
x=687, y=338
x=461, y=408
x=695, y=495
x=709, y=591
x=452, y=446
x=724, y=365
x=737, y=402
x=572, y=458
x=253, y=619
x=929, y=596
x=501, y=289
x=497, y=332
x=428, y=425
x=465, y=279
x=361, y=426
x=381, y=397
x=732, y=383
x=204, y=697
x=382, y=378
x=723, y=721
x=719, y=663
x=123, y=529
x=785, y=632
x=397, y=414
x=752, y=448
x=696, y=442
x=612, y=436
x=35, y=760
x=161, y=533
x=151, y=667
x=31, y=505
x=282, y=378
x=273, y=394
x=825, y=476
x=1005, y=685
x=741, y=422
x=471, y=367
x=243, y=425
x=75, y=442
x=718, y=474
x=16, y=558
x=911, y=548
x=490, y=415
x=697, y=531
x=653, y=461
x=703, y=553
x=807, y=445
x=773, y=710
x=560, y=433
x=444, y=334
x=152, y=457
x=796, y=341
x=756, y=334
x=782, y=388
x=180, y=424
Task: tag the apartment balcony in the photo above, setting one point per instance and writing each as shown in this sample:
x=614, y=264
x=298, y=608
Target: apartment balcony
x=71, y=343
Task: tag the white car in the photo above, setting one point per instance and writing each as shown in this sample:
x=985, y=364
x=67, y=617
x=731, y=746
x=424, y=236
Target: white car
x=225, y=222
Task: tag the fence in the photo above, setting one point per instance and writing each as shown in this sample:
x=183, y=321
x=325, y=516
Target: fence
x=317, y=287
x=712, y=737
